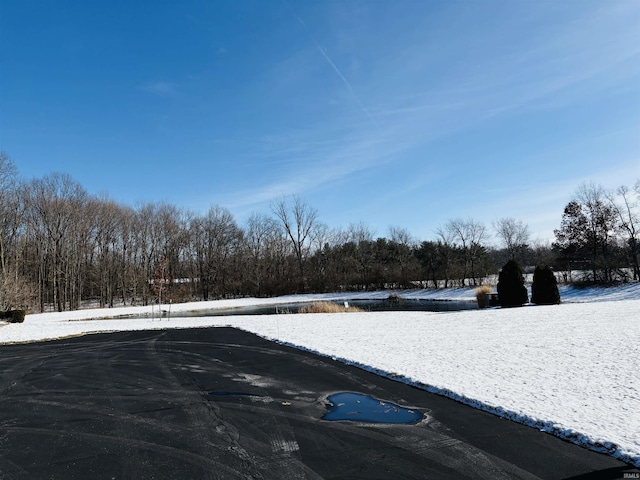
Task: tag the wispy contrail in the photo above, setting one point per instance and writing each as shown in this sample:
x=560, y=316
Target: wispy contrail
x=333, y=65
x=346, y=82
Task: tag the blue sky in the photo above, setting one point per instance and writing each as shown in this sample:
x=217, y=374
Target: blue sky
x=392, y=113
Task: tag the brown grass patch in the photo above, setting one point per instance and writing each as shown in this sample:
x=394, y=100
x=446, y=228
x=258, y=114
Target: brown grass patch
x=481, y=295
x=327, y=307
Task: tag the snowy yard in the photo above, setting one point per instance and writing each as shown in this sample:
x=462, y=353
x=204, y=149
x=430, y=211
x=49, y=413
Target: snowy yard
x=570, y=369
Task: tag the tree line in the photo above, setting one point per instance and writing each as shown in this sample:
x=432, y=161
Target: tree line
x=62, y=248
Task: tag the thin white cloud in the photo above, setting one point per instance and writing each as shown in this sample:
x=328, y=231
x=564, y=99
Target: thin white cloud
x=411, y=110
x=160, y=88
x=323, y=52
x=332, y=64
x=317, y=164
x=571, y=60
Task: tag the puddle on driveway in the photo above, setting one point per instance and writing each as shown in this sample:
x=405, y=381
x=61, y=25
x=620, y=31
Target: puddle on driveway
x=358, y=407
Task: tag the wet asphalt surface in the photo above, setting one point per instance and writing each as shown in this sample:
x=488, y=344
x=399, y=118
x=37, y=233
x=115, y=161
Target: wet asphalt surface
x=224, y=404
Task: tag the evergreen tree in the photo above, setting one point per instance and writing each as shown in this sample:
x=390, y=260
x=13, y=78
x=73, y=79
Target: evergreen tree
x=511, y=289
x=544, y=290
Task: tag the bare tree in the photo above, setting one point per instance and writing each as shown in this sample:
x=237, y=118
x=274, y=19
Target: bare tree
x=172, y=223
x=542, y=252
x=128, y=257
x=513, y=234
x=298, y=220
x=353, y=255
x=55, y=207
x=403, y=246
x=8, y=207
x=627, y=211
x=146, y=245
x=400, y=235
x=161, y=280
x=446, y=253
x=217, y=239
x=600, y=226
x=109, y=248
x=586, y=233
x=15, y=290
x=469, y=235
x=261, y=234
x=360, y=232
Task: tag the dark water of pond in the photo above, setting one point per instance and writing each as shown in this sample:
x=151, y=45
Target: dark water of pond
x=366, y=305
x=358, y=407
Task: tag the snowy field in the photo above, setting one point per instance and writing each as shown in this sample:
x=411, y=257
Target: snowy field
x=570, y=369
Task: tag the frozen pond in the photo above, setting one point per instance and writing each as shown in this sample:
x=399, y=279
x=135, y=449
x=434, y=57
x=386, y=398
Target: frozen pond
x=366, y=305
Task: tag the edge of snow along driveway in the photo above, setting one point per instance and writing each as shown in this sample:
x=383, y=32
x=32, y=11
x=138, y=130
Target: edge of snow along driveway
x=569, y=370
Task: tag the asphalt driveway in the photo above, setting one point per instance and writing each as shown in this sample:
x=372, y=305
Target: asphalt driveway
x=225, y=404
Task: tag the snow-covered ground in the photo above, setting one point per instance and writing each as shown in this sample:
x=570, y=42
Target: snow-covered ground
x=569, y=369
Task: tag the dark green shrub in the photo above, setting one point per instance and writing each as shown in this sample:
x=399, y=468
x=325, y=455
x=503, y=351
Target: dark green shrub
x=544, y=290
x=511, y=289
x=13, y=316
x=17, y=316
